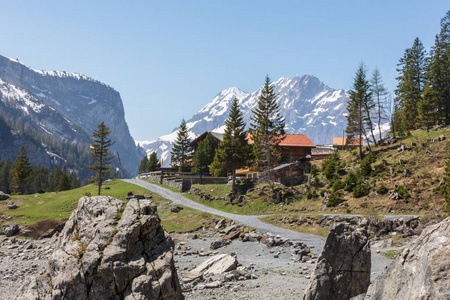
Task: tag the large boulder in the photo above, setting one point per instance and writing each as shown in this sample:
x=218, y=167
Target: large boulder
x=109, y=249
x=343, y=267
x=422, y=271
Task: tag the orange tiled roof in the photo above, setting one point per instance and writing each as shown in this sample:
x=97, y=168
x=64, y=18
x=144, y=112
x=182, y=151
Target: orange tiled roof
x=291, y=140
x=339, y=141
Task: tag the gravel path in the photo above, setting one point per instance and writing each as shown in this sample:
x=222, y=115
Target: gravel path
x=252, y=221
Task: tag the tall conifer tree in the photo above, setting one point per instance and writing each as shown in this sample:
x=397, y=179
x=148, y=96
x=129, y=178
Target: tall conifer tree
x=379, y=94
x=182, y=149
x=411, y=82
x=267, y=130
x=357, y=109
x=20, y=171
x=153, y=163
x=100, y=152
x=438, y=72
x=234, y=151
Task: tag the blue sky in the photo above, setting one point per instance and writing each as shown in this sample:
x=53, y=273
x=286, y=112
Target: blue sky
x=170, y=58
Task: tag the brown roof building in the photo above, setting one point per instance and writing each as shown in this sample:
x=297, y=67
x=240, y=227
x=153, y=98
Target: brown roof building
x=341, y=142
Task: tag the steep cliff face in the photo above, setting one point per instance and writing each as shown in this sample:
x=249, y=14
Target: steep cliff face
x=82, y=103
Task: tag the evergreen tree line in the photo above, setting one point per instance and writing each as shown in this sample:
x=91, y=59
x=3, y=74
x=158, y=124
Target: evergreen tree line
x=20, y=177
x=422, y=94
x=423, y=89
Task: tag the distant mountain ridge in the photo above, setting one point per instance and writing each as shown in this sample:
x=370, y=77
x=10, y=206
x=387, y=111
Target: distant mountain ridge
x=309, y=106
x=57, y=112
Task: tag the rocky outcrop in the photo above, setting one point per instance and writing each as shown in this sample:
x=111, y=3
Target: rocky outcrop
x=421, y=271
x=343, y=268
x=109, y=249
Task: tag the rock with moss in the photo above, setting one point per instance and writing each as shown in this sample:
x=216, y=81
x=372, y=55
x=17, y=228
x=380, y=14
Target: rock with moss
x=109, y=250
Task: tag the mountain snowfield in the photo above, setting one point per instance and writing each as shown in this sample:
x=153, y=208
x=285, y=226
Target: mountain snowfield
x=308, y=105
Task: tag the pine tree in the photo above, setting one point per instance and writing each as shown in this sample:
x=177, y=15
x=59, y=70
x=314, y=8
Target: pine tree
x=411, y=81
x=438, y=72
x=234, y=151
x=267, y=130
x=20, y=171
x=153, y=163
x=143, y=166
x=5, y=176
x=379, y=94
x=204, y=155
x=73, y=179
x=182, y=150
x=357, y=109
x=64, y=183
x=100, y=152
x=55, y=176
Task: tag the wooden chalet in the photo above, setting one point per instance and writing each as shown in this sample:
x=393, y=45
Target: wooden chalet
x=200, y=138
x=340, y=143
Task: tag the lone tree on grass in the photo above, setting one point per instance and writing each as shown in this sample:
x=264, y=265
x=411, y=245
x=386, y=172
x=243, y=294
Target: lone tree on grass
x=267, y=130
x=20, y=171
x=100, y=153
x=182, y=149
x=234, y=151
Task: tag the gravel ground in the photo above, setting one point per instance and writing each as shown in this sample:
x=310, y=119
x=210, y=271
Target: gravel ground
x=20, y=259
x=272, y=278
x=276, y=278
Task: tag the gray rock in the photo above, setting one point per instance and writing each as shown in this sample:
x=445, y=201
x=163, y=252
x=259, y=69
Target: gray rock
x=421, y=271
x=99, y=256
x=217, y=264
x=3, y=196
x=343, y=268
x=11, y=230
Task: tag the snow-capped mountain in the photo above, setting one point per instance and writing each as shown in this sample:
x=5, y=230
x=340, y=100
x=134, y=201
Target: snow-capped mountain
x=57, y=112
x=308, y=105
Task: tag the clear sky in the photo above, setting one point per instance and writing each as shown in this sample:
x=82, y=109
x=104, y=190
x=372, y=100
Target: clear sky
x=170, y=58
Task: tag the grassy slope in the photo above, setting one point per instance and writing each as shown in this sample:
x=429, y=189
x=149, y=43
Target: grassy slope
x=35, y=210
x=426, y=172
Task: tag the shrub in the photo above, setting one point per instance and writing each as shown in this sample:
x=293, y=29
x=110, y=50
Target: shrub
x=401, y=190
x=336, y=184
x=350, y=181
x=382, y=189
x=366, y=166
x=334, y=199
x=311, y=195
x=314, y=171
x=360, y=190
x=378, y=168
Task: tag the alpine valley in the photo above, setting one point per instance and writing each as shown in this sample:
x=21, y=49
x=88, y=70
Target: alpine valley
x=54, y=113
x=308, y=105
